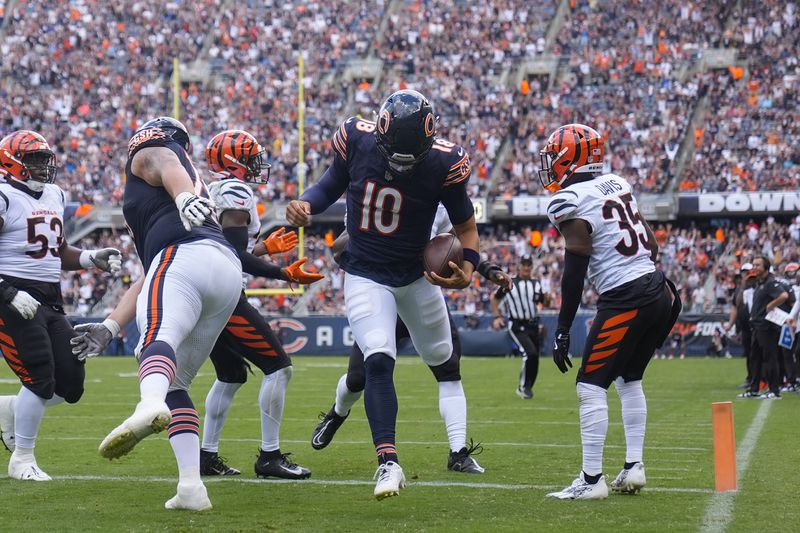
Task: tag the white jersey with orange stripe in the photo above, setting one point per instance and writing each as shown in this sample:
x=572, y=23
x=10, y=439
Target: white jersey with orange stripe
x=619, y=238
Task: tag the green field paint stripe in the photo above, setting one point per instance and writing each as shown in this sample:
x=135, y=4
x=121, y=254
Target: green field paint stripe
x=231, y=479
x=421, y=443
x=719, y=512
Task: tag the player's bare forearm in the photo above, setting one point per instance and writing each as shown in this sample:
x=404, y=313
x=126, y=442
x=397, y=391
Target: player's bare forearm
x=259, y=249
x=126, y=308
x=339, y=245
x=160, y=167
x=70, y=257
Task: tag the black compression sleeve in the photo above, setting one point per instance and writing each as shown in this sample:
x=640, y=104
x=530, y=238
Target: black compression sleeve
x=251, y=264
x=7, y=291
x=575, y=267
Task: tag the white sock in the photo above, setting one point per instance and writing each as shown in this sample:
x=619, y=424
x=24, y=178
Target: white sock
x=55, y=400
x=186, y=447
x=345, y=398
x=634, y=417
x=271, y=399
x=218, y=402
x=593, y=402
x=154, y=387
x=28, y=414
x=453, y=408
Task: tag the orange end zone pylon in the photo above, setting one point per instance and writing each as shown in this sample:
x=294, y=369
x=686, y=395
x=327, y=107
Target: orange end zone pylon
x=724, y=446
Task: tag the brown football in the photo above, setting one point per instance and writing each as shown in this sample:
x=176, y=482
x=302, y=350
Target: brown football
x=439, y=251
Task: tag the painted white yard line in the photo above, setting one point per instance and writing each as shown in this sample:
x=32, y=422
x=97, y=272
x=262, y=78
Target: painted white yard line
x=403, y=443
x=497, y=486
x=719, y=512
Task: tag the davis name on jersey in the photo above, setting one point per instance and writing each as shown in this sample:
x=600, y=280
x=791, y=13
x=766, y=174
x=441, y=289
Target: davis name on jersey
x=389, y=218
x=619, y=238
x=32, y=233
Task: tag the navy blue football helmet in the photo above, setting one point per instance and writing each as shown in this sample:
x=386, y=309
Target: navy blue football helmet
x=405, y=130
x=172, y=127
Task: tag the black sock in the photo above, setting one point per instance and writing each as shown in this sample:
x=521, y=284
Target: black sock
x=380, y=401
x=591, y=480
x=384, y=458
x=270, y=455
x=628, y=466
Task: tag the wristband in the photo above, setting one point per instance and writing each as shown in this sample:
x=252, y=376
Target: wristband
x=472, y=256
x=112, y=326
x=85, y=259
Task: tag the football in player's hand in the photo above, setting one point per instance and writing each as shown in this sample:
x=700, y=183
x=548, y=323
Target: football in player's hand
x=440, y=251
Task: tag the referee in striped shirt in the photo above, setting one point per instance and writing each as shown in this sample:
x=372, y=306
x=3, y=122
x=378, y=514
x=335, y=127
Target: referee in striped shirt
x=518, y=304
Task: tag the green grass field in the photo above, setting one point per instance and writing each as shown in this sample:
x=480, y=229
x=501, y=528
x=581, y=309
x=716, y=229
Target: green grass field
x=530, y=448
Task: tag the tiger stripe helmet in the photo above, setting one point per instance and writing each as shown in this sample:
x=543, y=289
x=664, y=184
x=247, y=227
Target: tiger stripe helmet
x=236, y=153
x=26, y=158
x=570, y=149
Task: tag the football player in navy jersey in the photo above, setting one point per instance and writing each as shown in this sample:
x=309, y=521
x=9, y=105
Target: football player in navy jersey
x=395, y=173
x=452, y=400
x=34, y=333
x=192, y=286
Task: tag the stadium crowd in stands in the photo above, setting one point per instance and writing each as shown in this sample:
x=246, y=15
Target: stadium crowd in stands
x=86, y=74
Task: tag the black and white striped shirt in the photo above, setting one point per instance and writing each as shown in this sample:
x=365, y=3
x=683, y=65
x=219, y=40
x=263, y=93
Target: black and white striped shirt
x=519, y=303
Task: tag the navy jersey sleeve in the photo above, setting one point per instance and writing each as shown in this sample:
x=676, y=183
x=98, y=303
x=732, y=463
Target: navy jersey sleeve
x=334, y=181
x=454, y=189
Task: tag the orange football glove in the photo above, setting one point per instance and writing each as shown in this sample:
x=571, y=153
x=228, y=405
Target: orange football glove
x=279, y=242
x=295, y=273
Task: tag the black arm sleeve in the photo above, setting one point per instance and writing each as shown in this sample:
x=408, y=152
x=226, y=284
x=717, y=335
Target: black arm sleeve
x=328, y=189
x=575, y=267
x=251, y=264
x=485, y=269
x=500, y=293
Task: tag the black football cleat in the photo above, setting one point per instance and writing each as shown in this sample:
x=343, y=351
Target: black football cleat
x=277, y=464
x=462, y=460
x=211, y=464
x=323, y=434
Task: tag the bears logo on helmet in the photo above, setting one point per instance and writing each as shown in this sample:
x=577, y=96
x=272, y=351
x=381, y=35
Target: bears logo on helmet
x=569, y=150
x=406, y=130
x=26, y=158
x=237, y=153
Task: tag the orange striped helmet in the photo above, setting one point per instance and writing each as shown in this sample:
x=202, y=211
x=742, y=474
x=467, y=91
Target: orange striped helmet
x=237, y=153
x=26, y=158
x=570, y=149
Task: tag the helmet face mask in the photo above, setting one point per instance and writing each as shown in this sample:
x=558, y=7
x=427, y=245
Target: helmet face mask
x=405, y=131
x=26, y=159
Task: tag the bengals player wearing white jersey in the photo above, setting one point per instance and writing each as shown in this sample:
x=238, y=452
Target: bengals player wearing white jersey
x=238, y=157
x=605, y=234
x=34, y=332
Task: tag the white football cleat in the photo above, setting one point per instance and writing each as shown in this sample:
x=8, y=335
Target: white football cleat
x=7, y=422
x=192, y=497
x=581, y=490
x=26, y=469
x=148, y=418
x=630, y=480
x=390, y=480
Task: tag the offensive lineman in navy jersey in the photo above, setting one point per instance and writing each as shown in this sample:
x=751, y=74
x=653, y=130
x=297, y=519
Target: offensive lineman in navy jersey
x=191, y=288
x=395, y=173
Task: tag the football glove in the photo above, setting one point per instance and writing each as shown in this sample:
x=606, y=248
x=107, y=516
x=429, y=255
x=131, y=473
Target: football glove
x=193, y=209
x=295, y=273
x=561, y=350
x=106, y=259
x=280, y=242
x=93, y=338
x=21, y=302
